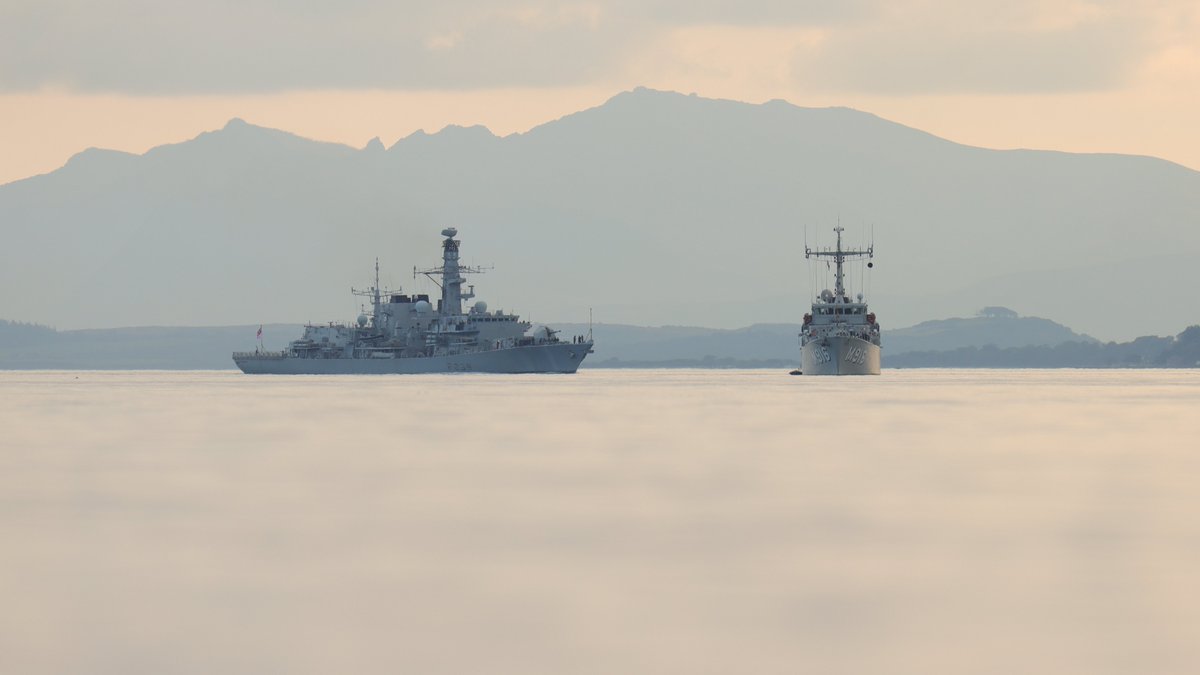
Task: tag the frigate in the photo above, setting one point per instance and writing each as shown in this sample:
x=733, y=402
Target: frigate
x=840, y=337
x=404, y=333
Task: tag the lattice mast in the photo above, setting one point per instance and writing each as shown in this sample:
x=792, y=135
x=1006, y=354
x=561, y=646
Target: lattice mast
x=375, y=294
x=840, y=256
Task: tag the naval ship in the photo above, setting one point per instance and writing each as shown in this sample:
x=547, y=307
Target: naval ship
x=407, y=334
x=840, y=337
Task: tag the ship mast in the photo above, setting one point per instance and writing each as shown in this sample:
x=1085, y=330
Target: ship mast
x=376, y=289
x=375, y=294
x=839, y=256
x=452, y=275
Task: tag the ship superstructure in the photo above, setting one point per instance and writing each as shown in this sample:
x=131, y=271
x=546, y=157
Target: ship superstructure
x=404, y=333
x=840, y=336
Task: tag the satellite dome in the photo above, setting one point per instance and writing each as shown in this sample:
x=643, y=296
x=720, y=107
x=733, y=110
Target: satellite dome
x=362, y=320
x=480, y=307
x=449, y=232
x=422, y=306
x=827, y=295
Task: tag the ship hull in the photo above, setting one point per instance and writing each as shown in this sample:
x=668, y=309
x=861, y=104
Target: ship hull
x=840, y=356
x=552, y=358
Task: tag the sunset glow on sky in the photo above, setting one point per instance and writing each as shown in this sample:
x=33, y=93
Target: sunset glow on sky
x=1074, y=75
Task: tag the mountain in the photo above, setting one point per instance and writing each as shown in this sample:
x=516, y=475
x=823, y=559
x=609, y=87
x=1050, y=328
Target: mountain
x=1003, y=332
x=1142, y=352
x=660, y=344
x=780, y=341
x=25, y=346
x=653, y=208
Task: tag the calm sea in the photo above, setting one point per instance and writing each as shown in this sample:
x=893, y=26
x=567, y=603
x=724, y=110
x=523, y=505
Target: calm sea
x=608, y=522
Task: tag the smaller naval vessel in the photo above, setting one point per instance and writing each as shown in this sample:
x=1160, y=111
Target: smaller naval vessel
x=840, y=336
x=407, y=334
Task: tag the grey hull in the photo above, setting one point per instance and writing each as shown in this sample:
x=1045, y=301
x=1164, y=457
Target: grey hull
x=552, y=358
x=840, y=356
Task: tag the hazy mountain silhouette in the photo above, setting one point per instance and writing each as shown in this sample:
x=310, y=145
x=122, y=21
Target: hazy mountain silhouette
x=946, y=334
x=652, y=208
x=24, y=345
x=780, y=341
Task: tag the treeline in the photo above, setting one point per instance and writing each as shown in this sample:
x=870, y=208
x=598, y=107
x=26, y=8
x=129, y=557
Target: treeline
x=1181, y=351
x=17, y=333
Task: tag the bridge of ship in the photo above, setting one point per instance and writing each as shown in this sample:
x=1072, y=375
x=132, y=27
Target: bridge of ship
x=839, y=312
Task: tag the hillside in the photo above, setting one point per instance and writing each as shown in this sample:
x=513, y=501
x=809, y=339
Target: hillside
x=653, y=208
x=961, y=341
x=947, y=334
x=24, y=347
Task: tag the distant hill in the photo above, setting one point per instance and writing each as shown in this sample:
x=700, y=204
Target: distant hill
x=653, y=208
x=15, y=335
x=1182, y=351
x=963, y=342
x=776, y=342
x=781, y=341
x=947, y=334
x=143, y=348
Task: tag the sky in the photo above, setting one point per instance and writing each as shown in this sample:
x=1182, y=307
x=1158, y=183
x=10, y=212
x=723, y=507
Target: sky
x=1074, y=75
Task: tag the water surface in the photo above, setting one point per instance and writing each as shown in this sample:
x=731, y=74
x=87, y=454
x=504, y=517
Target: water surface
x=608, y=522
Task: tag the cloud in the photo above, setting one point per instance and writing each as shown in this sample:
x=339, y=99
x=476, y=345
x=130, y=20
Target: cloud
x=149, y=47
x=222, y=46
x=769, y=13
x=137, y=47
x=982, y=52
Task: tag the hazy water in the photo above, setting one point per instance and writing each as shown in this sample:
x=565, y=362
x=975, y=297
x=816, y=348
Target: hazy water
x=607, y=522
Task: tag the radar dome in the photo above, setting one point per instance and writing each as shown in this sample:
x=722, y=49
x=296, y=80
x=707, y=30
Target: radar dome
x=480, y=307
x=362, y=320
x=827, y=295
x=449, y=232
x=422, y=306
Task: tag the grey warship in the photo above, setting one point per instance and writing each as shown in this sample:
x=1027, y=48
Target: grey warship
x=840, y=337
x=406, y=334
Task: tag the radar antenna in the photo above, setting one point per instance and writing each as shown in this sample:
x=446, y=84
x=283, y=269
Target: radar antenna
x=840, y=256
x=451, y=273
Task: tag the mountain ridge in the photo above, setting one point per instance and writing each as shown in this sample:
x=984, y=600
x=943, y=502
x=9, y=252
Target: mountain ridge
x=647, y=197
x=239, y=124
x=940, y=343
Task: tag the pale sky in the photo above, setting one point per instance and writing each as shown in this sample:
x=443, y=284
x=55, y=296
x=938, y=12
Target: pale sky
x=1075, y=75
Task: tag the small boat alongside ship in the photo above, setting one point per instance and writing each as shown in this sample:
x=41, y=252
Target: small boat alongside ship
x=841, y=335
x=407, y=334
